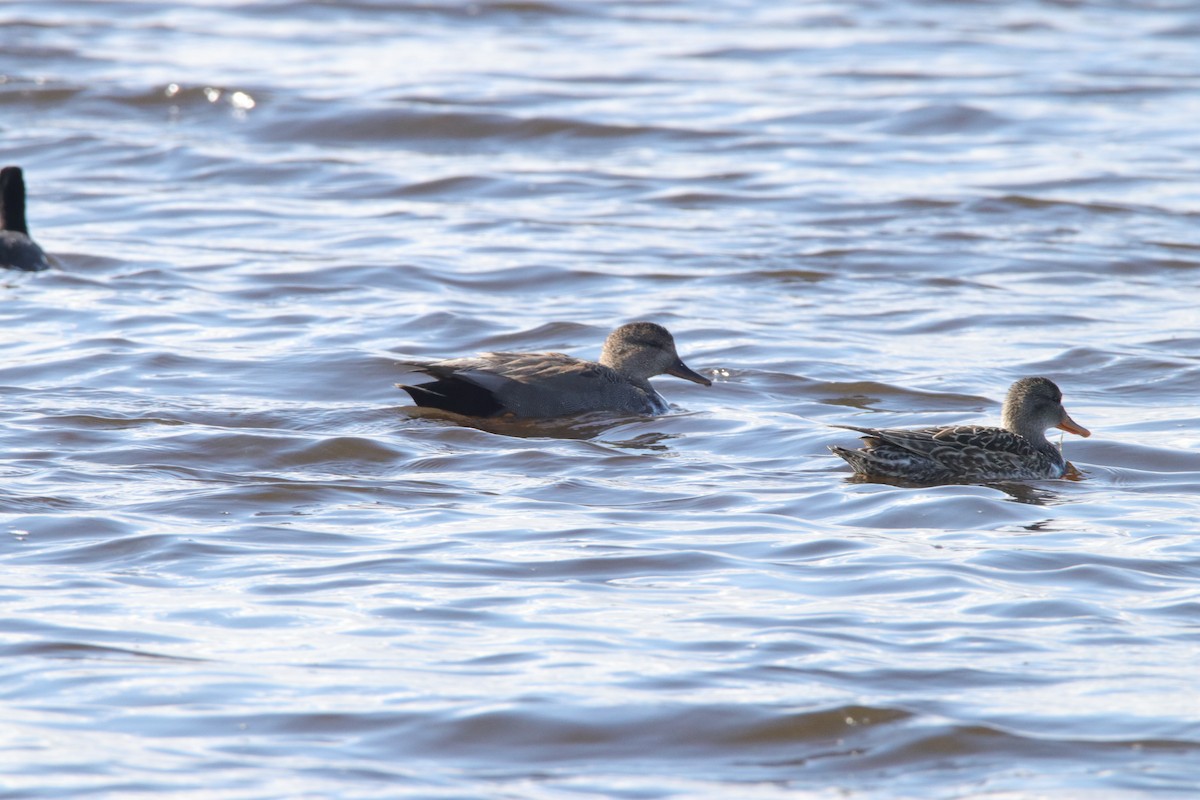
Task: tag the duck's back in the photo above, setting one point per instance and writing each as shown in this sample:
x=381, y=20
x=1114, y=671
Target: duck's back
x=18, y=251
x=956, y=453
x=530, y=385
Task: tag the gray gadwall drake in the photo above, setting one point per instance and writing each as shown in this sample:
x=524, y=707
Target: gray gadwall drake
x=973, y=453
x=541, y=385
x=16, y=248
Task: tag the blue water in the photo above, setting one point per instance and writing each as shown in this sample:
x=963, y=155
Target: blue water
x=237, y=563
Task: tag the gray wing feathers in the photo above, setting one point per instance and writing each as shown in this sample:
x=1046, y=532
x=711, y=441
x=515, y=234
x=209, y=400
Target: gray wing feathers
x=546, y=384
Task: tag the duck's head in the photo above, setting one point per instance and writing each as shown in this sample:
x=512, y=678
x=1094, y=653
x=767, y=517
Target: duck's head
x=1035, y=404
x=12, y=200
x=642, y=350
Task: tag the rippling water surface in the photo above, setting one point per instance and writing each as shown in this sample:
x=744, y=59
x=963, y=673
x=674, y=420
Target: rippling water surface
x=236, y=564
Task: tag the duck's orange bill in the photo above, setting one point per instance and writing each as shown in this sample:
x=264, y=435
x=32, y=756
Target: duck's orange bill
x=1071, y=426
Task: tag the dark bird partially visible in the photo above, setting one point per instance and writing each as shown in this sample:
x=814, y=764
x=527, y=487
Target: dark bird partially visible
x=17, y=250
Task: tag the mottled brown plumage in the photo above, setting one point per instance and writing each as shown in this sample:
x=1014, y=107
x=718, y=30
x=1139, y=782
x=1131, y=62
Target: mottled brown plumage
x=973, y=453
x=536, y=385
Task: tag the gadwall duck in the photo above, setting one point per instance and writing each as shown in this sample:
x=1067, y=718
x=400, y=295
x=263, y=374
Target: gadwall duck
x=538, y=385
x=1017, y=451
x=16, y=248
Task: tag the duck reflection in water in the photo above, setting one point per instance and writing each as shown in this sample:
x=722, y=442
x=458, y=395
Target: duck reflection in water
x=624, y=432
x=1023, y=493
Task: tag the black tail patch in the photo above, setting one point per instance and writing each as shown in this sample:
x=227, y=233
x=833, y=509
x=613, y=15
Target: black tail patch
x=459, y=396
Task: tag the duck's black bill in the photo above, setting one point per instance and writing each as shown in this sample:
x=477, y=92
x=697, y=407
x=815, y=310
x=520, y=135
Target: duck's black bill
x=682, y=370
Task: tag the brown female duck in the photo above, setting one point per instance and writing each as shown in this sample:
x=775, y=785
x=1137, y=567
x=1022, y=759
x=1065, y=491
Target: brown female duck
x=973, y=453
